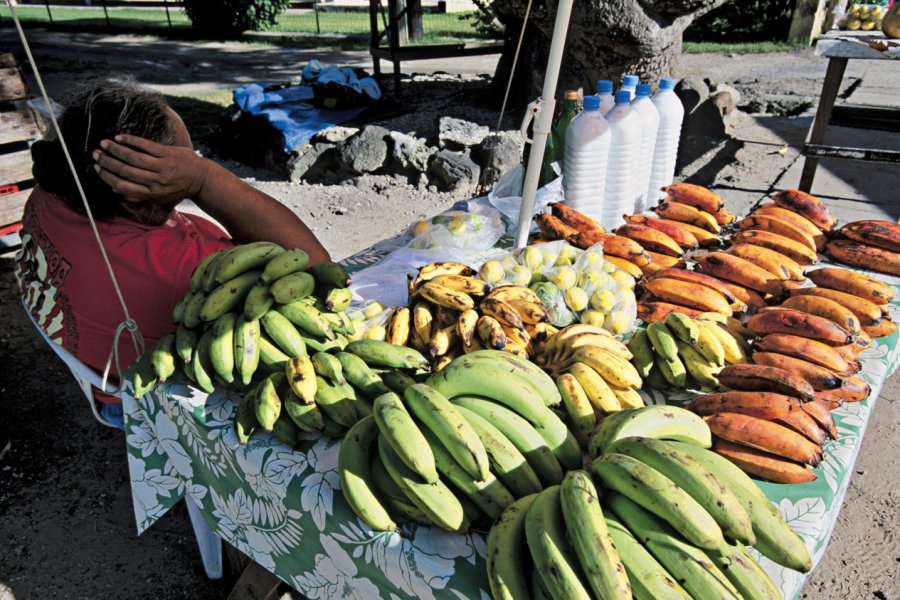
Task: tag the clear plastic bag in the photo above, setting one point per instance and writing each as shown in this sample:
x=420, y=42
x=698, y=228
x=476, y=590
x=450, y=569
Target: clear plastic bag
x=457, y=230
x=506, y=197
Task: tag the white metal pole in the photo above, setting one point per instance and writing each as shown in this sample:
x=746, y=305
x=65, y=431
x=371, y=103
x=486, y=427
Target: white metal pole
x=544, y=120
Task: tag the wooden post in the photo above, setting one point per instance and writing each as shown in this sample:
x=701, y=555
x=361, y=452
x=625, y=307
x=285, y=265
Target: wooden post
x=830, y=88
x=397, y=12
x=374, y=37
x=807, y=20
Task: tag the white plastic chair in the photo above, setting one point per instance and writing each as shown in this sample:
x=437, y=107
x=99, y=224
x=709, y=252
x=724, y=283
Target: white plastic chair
x=209, y=544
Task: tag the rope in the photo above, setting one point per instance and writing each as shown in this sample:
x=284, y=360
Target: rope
x=512, y=71
x=129, y=323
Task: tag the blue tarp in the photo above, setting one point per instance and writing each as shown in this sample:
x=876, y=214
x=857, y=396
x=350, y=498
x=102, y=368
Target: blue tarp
x=291, y=109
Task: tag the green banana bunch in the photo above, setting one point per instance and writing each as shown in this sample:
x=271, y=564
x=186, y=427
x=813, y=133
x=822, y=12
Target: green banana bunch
x=246, y=337
x=507, y=463
x=657, y=421
x=641, y=352
x=227, y=296
x=336, y=404
x=244, y=258
x=396, y=381
x=258, y=301
x=435, y=499
x=268, y=403
x=489, y=495
x=221, y=346
x=329, y=367
x=331, y=274
x=685, y=328
x=393, y=497
x=383, y=354
x=192, y=309
x=524, y=368
x=687, y=563
x=185, y=341
x=180, y=306
x=354, y=471
x=144, y=377
x=704, y=371
x=649, y=579
x=545, y=533
x=661, y=496
x=283, y=333
x=285, y=431
x=201, y=363
x=455, y=432
x=338, y=299
x=162, y=357
x=208, y=280
x=521, y=433
x=587, y=532
x=662, y=340
x=199, y=274
x=307, y=417
x=307, y=318
x=507, y=554
x=699, y=482
x=245, y=421
x=285, y=263
x=401, y=432
x=293, y=287
x=774, y=538
x=271, y=355
x=360, y=375
x=745, y=574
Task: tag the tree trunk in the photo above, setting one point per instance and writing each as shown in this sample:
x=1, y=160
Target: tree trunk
x=606, y=39
x=414, y=19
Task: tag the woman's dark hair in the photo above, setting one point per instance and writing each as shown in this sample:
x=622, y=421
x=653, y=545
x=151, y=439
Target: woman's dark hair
x=99, y=111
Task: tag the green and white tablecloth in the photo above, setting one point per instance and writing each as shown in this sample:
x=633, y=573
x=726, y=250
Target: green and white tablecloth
x=283, y=507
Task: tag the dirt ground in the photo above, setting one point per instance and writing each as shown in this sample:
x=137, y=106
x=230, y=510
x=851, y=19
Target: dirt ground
x=66, y=526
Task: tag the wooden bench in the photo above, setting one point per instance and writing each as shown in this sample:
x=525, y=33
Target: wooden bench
x=18, y=129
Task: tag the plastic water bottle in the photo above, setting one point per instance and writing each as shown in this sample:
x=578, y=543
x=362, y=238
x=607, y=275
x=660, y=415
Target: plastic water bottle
x=671, y=114
x=629, y=84
x=624, y=155
x=649, y=129
x=584, y=165
x=605, y=93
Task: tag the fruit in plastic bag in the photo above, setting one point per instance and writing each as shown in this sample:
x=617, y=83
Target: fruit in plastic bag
x=576, y=299
x=492, y=272
x=593, y=317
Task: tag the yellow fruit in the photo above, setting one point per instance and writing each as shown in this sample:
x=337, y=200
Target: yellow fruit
x=375, y=332
x=457, y=225
x=854, y=24
x=492, y=272
x=519, y=275
x=623, y=279
x=591, y=258
x=373, y=309
x=533, y=258
x=617, y=322
x=593, y=278
x=593, y=317
x=562, y=261
x=608, y=267
x=564, y=278
x=576, y=299
x=868, y=25
x=420, y=227
x=603, y=300
x=569, y=251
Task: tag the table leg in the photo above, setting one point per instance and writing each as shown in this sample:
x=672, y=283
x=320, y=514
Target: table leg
x=830, y=88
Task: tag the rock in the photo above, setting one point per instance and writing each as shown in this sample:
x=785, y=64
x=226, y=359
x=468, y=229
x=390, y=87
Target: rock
x=304, y=161
x=335, y=135
x=409, y=154
x=692, y=91
x=456, y=171
x=724, y=101
x=716, y=88
x=458, y=134
x=498, y=154
x=364, y=152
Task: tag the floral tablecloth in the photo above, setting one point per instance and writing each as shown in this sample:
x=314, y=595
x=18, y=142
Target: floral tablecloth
x=283, y=507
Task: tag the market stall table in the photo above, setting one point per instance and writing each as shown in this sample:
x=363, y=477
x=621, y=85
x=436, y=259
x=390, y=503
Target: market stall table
x=283, y=507
x=839, y=47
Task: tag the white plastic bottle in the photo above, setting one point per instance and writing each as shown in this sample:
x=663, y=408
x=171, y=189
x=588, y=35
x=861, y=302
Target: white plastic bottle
x=621, y=169
x=629, y=84
x=649, y=129
x=585, y=158
x=671, y=114
x=605, y=93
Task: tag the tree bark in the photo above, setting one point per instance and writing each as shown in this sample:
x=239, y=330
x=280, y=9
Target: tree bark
x=606, y=39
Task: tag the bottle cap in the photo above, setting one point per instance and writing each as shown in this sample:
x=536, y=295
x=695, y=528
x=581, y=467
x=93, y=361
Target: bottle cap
x=571, y=94
x=643, y=90
x=667, y=83
x=604, y=86
x=623, y=97
x=591, y=103
x=630, y=80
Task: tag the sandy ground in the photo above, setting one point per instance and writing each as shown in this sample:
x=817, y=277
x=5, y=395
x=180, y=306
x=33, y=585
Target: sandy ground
x=66, y=527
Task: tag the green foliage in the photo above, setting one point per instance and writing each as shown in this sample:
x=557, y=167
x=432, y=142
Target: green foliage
x=743, y=21
x=484, y=20
x=230, y=17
